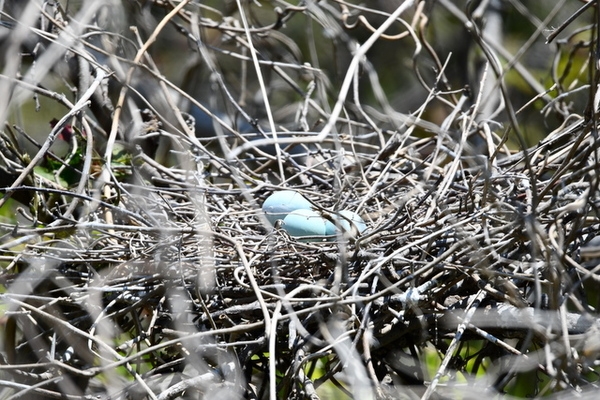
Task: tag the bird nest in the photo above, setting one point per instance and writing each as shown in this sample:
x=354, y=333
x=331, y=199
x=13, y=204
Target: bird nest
x=125, y=277
x=184, y=286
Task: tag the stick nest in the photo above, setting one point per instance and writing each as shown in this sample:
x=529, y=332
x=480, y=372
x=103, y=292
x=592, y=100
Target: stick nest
x=145, y=268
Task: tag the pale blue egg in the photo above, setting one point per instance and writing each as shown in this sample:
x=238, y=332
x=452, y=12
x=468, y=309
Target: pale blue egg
x=280, y=204
x=346, y=219
x=301, y=223
x=330, y=228
x=351, y=217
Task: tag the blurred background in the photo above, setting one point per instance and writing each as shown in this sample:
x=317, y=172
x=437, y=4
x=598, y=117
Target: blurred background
x=305, y=49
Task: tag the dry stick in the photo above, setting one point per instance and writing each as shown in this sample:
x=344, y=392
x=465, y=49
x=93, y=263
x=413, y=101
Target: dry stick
x=272, y=349
x=82, y=103
x=263, y=89
x=368, y=358
x=513, y=59
x=179, y=341
x=381, y=262
x=354, y=64
x=61, y=43
x=525, y=74
x=92, y=339
x=106, y=172
x=169, y=98
x=195, y=37
x=251, y=278
x=214, y=377
x=38, y=389
x=88, y=158
x=455, y=342
x=356, y=96
x=569, y=20
x=451, y=171
x=106, y=176
x=284, y=302
x=85, y=172
x=348, y=357
x=413, y=121
x=498, y=342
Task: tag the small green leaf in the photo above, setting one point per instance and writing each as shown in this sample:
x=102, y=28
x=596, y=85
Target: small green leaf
x=49, y=175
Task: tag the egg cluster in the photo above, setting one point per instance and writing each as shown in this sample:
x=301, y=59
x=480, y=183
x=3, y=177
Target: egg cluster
x=302, y=221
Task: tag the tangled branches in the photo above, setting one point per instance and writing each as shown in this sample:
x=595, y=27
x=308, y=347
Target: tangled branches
x=136, y=260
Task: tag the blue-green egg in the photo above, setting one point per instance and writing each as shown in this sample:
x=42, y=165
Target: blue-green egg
x=330, y=228
x=346, y=220
x=348, y=217
x=302, y=223
x=280, y=204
